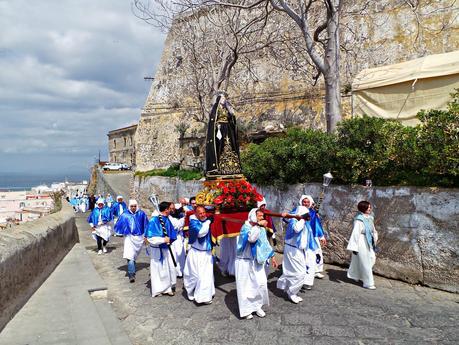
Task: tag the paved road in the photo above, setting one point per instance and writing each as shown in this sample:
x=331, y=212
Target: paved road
x=336, y=311
x=120, y=181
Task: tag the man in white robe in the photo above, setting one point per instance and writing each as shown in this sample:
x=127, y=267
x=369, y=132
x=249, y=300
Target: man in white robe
x=132, y=225
x=362, y=244
x=109, y=200
x=319, y=236
x=82, y=205
x=198, y=275
x=159, y=236
x=253, y=252
x=298, y=238
x=99, y=221
x=178, y=246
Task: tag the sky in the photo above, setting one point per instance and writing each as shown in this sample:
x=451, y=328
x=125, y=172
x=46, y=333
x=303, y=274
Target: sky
x=70, y=71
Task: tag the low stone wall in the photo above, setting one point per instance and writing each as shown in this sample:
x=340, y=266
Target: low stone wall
x=28, y=254
x=418, y=227
x=103, y=187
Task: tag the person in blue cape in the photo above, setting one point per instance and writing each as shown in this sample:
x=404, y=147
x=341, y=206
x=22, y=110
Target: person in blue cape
x=362, y=244
x=299, y=242
x=198, y=274
x=132, y=225
x=82, y=204
x=271, y=228
x=178, y=247
x=252, y=253
x=99, y=221
x=118, y=208
x=109, y=200
x=74, y=202
x=160, y=235
x=317, y=232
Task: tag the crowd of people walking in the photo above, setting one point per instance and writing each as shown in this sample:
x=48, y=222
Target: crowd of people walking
x=178, y=240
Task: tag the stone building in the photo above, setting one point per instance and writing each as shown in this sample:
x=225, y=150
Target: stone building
x=121, y=145
x=387, y=32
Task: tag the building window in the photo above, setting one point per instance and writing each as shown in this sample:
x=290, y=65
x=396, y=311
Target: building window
x=114, y=143
x=21, y=204
x=125, y=142
x=130, y=141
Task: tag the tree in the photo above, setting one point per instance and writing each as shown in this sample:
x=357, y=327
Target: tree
x=319, y=22
x=213, y=40
x=322, y=43
x=326, y=29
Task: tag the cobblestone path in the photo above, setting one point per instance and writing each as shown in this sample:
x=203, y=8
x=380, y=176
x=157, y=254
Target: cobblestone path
x=335, y=311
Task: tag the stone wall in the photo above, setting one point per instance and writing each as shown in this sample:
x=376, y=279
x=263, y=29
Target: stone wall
x=104, y=188
x=384, y=32
x=28, y=254
x=418, y=227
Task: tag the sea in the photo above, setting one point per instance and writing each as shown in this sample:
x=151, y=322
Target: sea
x=25, y=181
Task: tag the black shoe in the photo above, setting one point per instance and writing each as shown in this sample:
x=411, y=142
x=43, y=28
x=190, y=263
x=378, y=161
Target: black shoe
x=132, y=278
x=307, y=287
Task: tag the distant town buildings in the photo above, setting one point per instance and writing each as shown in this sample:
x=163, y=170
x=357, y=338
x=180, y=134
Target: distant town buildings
x=25, y=206
x=121, y=148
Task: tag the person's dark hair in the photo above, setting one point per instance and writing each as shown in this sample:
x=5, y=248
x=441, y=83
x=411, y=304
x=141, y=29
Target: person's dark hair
x=363, y=206
x=164, y=206
x=192, y=198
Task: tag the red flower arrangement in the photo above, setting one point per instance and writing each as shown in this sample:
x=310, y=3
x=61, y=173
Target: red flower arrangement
x=236, y=194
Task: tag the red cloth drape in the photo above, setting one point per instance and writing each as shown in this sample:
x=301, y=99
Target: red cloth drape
x=224, y=225
x=227, y=224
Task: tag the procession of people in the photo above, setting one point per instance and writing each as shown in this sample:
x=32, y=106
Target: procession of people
x=179, y=243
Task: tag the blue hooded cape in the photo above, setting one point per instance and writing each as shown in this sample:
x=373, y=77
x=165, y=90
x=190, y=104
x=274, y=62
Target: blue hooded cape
x=368, y=225
x=132, y=223
x=106, y=215
x=316, y=224
x=290, y=233
x=116, y=208
x=261, y=249
x=154, y=229
x=194, y=228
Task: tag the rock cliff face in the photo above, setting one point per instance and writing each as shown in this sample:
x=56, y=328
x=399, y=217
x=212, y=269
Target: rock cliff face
x=384, y=34
x=418, y=227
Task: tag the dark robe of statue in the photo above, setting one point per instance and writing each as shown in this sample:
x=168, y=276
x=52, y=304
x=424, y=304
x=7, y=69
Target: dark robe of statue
x=222, y=148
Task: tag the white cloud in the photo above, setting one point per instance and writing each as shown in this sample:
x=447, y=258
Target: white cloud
x=72, y=70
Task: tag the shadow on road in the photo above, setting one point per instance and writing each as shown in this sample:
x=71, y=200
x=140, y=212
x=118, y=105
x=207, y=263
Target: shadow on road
x=272, y=286
x=340, y=276
x=231, y=302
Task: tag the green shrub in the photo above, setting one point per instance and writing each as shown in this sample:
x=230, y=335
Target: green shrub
x=364, y=148
x=299, y=156
x=438, y=141
x=374, y=148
